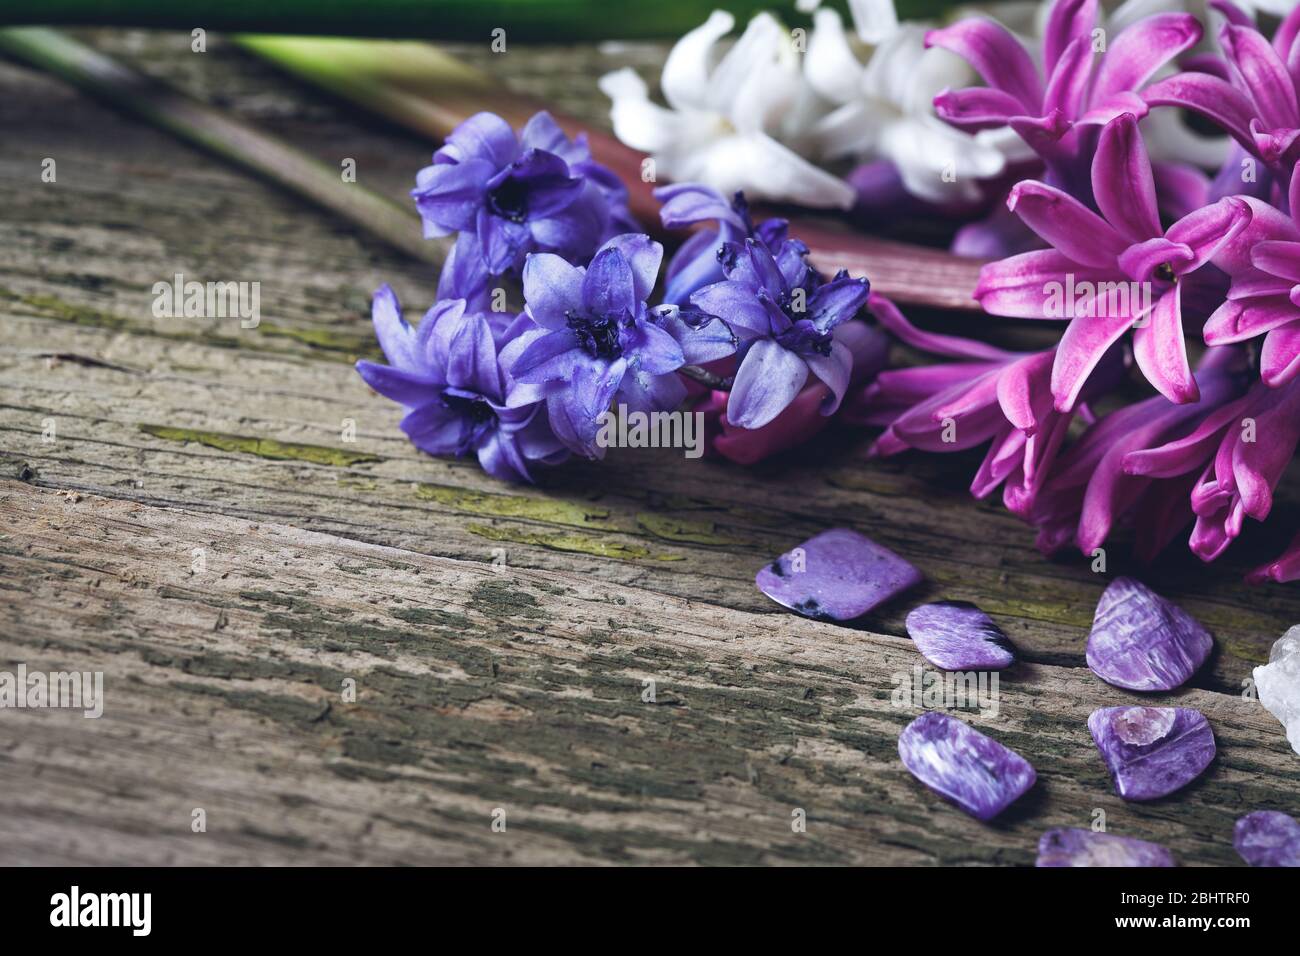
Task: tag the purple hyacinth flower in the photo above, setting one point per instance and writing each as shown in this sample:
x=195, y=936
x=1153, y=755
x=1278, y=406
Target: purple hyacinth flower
x=1251, y=93
x=1152, y=751
x=1140, y=641
x=1075, y=847
x=447, y=374
x=958, y=636
x=1081, y=89
x=537, y=192
x=594, y=339
x=784, y=315
x=837, y=575
x=1267, y=838
x=695, y=265
x=1112, y=272
x=958, y=762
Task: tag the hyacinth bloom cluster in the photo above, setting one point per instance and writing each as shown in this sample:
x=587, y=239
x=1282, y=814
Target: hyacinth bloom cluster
x=1154, y=276
x=1210, y=448
x=531, y=386
x=505, y=196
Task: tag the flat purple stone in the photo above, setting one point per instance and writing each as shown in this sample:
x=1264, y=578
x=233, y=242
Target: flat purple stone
x=1074, y=847
x=1267, y=838
x=958, y=636
x=1152, y=751
x=958, y=762
x=837, y=575
x=1140, y=641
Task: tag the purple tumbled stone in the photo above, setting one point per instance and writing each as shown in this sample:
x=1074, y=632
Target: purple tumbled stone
x=837, y=575
x=1152, y=751
x=1140, y=641
x=1267, y=838
x=958, y=636
x=1074, y=847
x=958, y=762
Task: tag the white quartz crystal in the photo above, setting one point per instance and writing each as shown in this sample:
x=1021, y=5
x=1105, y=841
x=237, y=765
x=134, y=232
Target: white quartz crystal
x=1278, y=683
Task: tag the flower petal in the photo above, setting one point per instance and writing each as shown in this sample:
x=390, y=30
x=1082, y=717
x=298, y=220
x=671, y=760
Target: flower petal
x=472, y=358
x=685, y=204
x=450, y=195
x=996, y=55
x=736, y=304
x=1279, y=359
x=1084, y=343
x=685, y=79
x=835, y=370
x=552, y=289
x=1237, y=321
x=1022, y=286
x=1260, y=70
x=644, y=255
x=483, y=136
x=1208, y=230
x=1122, y=182
x=767, y=381
x=406, y=388
x=1066, y=223
x=1277, y=258
x=888, y=315
x=396, y=338
x=1161, y=351
x=549, y=358
x=1212, y=97
x=435, y=429
x=656, y=351
x=1067, y=21
x=977, y=107
x=1139, y=51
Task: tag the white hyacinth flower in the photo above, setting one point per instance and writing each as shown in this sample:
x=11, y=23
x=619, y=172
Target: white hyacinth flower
x=731, y=120
x=885, y=106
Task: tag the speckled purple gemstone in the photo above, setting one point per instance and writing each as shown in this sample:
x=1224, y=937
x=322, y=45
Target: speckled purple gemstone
x=958, y=636
x=1152, y=751
x=1140, y=641
x=1268, y=838
x=958, y=762
x=837, y=575
x=1073, y=847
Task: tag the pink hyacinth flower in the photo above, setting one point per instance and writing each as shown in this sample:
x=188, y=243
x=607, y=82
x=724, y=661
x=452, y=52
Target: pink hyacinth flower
x=991, y=396
x=1048, y=102
x=1240, y=451
x=1111, y=272
x=1090, y=492
x=1251, y=92
x=1263, y=261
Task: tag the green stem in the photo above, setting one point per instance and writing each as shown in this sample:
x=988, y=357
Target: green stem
x=218, y=133
x=525, y=21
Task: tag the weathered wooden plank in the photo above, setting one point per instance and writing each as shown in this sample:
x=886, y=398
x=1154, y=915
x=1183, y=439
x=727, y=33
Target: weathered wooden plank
x=482, y=687
x=370, y=558
x=196, y=435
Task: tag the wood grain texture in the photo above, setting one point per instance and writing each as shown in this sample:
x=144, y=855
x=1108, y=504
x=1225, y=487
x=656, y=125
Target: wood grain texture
x=479, y=687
